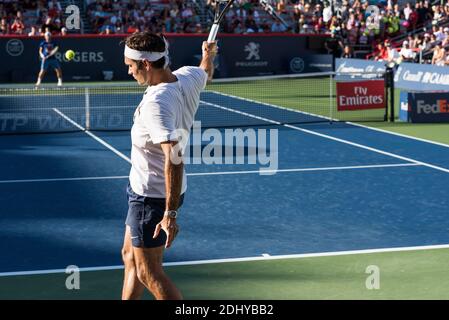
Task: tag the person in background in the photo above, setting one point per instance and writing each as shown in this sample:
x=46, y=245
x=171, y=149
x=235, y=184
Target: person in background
x=47, y=51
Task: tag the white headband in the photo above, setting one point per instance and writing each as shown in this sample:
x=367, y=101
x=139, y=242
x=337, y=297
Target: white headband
x=148, y=55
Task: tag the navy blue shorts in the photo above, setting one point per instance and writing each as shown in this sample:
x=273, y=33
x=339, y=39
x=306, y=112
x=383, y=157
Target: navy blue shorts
x=50, y=63
x=143, y=215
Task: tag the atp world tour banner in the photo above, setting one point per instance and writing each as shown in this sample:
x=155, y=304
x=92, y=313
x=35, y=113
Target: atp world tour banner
x=408, y=76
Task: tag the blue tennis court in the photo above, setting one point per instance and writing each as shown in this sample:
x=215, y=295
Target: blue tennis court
x=336, y=187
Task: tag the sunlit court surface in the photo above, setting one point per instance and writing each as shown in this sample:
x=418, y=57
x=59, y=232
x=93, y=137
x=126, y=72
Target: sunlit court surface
x=317, y=161
x=282, y=203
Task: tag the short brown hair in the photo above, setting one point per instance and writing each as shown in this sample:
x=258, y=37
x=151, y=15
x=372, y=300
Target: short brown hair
x=148, y=41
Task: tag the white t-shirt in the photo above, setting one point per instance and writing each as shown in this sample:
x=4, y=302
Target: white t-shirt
x=165, y=109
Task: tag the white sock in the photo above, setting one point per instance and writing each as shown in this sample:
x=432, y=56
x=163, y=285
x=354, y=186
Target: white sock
x=38, y=82
x=59, y=82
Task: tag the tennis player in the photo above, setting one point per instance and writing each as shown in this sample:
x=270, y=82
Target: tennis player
x=47, y=51
x=157, y=180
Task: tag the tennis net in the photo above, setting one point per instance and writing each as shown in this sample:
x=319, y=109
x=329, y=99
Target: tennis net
x=288, y=99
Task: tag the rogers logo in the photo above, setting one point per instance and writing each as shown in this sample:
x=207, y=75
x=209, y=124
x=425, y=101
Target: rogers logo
x=83, y=57
x=441, y=106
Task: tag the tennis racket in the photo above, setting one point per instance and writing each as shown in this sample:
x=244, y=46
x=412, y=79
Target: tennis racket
x=270, y=10
x=219, y=15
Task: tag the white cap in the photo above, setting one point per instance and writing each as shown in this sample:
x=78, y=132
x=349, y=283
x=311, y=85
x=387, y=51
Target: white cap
x=446, y=29
x=426, y=35
x=47, y=34
x=405, y=43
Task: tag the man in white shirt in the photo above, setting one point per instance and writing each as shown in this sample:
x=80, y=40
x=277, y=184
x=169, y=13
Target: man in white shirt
x=157, y=180
x=407, y=55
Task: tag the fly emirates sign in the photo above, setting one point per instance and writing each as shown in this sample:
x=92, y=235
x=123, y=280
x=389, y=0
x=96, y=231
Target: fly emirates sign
x=360, y=95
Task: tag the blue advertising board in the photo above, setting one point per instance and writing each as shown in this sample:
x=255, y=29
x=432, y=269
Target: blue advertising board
x=421, y=77
x=408, y=76
x=366, y=68
x=424, y=107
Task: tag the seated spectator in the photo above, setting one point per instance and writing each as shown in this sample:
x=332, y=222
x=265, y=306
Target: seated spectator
x=17, y=26
x=392, y=54
x=439, y=56
x=4, y=26
x=278, y=27
x=445, y=42
x=382, y=52
x=34, y=32
x=54, y=9
x=426, y=43
x=107, y=27
x=347, y=53
x=132, y=28
x=407, y=55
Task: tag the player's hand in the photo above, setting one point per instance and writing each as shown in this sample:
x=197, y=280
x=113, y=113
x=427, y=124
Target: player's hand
x=170, y=227
x=209, y=49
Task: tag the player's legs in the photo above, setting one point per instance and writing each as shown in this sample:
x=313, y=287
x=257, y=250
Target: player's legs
x=132, y=287
x=59, y=75
x=40, y=76
x=148, y=262
x=143, y=216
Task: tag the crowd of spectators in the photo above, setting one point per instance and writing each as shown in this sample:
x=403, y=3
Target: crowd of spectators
x=351, y=23
x=31, y=17
x=177, y=16
x=430, y=47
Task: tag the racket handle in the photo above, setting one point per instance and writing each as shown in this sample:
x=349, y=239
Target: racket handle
x=213, y=32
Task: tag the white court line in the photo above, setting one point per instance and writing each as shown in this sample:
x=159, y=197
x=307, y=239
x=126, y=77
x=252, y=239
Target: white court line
x=306, y=169
x=266, y=120
x=263, y=257
x=400, y=134
x=104, y=143
x=327, y=118
x=224, y=173
x=331, y=138
x=63, y=179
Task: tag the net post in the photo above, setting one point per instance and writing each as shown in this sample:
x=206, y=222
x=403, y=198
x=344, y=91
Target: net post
x=390, y=80
x=87, y=105
x=385, y=77
x=330, y=99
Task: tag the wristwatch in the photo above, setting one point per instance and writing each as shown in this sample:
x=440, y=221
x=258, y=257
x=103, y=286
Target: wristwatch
x=171, y=214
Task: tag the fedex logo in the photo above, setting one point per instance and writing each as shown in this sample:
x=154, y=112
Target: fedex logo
x=441, y=106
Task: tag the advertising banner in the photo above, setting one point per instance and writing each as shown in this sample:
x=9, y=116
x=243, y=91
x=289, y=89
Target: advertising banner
x=361, y=95
x=100, y=58
x=429, y=107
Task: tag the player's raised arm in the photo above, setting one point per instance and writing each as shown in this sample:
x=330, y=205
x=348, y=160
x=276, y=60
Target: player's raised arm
x=207, y=62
